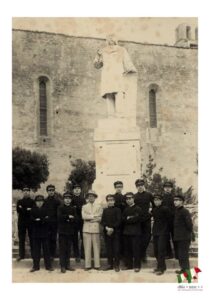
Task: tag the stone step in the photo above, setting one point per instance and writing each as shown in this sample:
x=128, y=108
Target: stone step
x=193, y=251
x=151, y=263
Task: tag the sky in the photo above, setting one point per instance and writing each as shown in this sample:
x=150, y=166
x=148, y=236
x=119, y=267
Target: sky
x=146, y=30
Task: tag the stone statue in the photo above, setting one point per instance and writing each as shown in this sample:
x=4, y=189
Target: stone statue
x=115, y=63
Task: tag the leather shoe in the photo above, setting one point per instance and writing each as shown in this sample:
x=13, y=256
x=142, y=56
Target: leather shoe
x=117, y=269
x=34, y=270
x=108, y=268
x=126, y=268
x=50, y=269
x=19, y=259
x=136, y=270
x=159, y=272
x=179, y=271
x=155, y=270
x=63, y=270
x=70, y=269
x=87, y=269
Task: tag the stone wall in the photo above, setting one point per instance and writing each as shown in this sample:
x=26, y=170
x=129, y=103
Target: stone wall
x=75, y=105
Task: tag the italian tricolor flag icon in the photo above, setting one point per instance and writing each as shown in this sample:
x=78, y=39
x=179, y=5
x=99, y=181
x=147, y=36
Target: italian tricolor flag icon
x=188, y=276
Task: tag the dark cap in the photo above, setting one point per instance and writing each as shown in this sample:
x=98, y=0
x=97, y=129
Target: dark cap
x=39, y=198
x=129, y=194
x=158, y=195
x=67, y=195
x=181, y=197
x=139, y=182
x=50, y=186
x=25, y=188
x=168, y=184
x=109, y=196
x=76, y=185
x=118, y=183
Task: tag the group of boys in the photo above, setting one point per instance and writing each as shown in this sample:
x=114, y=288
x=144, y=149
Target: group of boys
x=128, y=222
x=43, y=219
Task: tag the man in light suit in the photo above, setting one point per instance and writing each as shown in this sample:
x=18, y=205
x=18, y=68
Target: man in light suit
x=91, y=214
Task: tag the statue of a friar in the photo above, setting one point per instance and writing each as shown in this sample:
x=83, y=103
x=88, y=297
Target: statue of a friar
x=116, y=64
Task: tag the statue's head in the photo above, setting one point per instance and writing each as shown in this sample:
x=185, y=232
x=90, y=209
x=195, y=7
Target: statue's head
x=111, y=40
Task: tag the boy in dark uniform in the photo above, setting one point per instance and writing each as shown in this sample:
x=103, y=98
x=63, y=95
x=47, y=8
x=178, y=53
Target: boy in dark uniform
x=160, y=231
x=183, y=229
x=118, y=196
x=144, y=200
x=168, y=201
x=39, y=217
x=168, y=197
x=78, y=201
x=131, y=218
x=67, y=226
x=111, y=220
x=120, y=202
x=24, y=207
x=52, y=202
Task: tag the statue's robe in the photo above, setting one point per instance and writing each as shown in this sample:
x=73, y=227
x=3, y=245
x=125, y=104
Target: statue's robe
x=116, y=63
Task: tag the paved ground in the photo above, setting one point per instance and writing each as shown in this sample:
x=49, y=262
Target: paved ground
x=21, y=274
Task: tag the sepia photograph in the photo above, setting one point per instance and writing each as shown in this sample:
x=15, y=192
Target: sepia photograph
x=105, y=150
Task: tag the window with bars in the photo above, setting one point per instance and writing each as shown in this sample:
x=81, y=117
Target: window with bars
x=43, y=106
x=152, y=108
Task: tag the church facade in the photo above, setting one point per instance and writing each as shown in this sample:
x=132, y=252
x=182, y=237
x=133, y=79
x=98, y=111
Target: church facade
x=57, y=103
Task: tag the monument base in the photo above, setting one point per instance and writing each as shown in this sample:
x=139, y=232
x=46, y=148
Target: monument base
x=117, y=154
x=117, y=145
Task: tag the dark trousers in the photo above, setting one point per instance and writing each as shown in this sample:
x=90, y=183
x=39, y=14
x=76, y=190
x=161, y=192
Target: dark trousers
x=39, y=243
x=113, y=249
x=169, y=250
x=182, y=251
x=52, y=238
x=65, y=242
x=121, y=243
x=170, y=240
x=77, y=237
x=22, y=229
x=160, y=250
x=132, y=251
x=145, y=237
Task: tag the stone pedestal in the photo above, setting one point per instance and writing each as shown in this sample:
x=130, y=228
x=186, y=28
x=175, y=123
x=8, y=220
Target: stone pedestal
x=117, y=146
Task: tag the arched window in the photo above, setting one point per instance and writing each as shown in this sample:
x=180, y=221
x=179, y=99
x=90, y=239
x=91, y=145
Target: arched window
x=43, y=106
x=152, y=108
